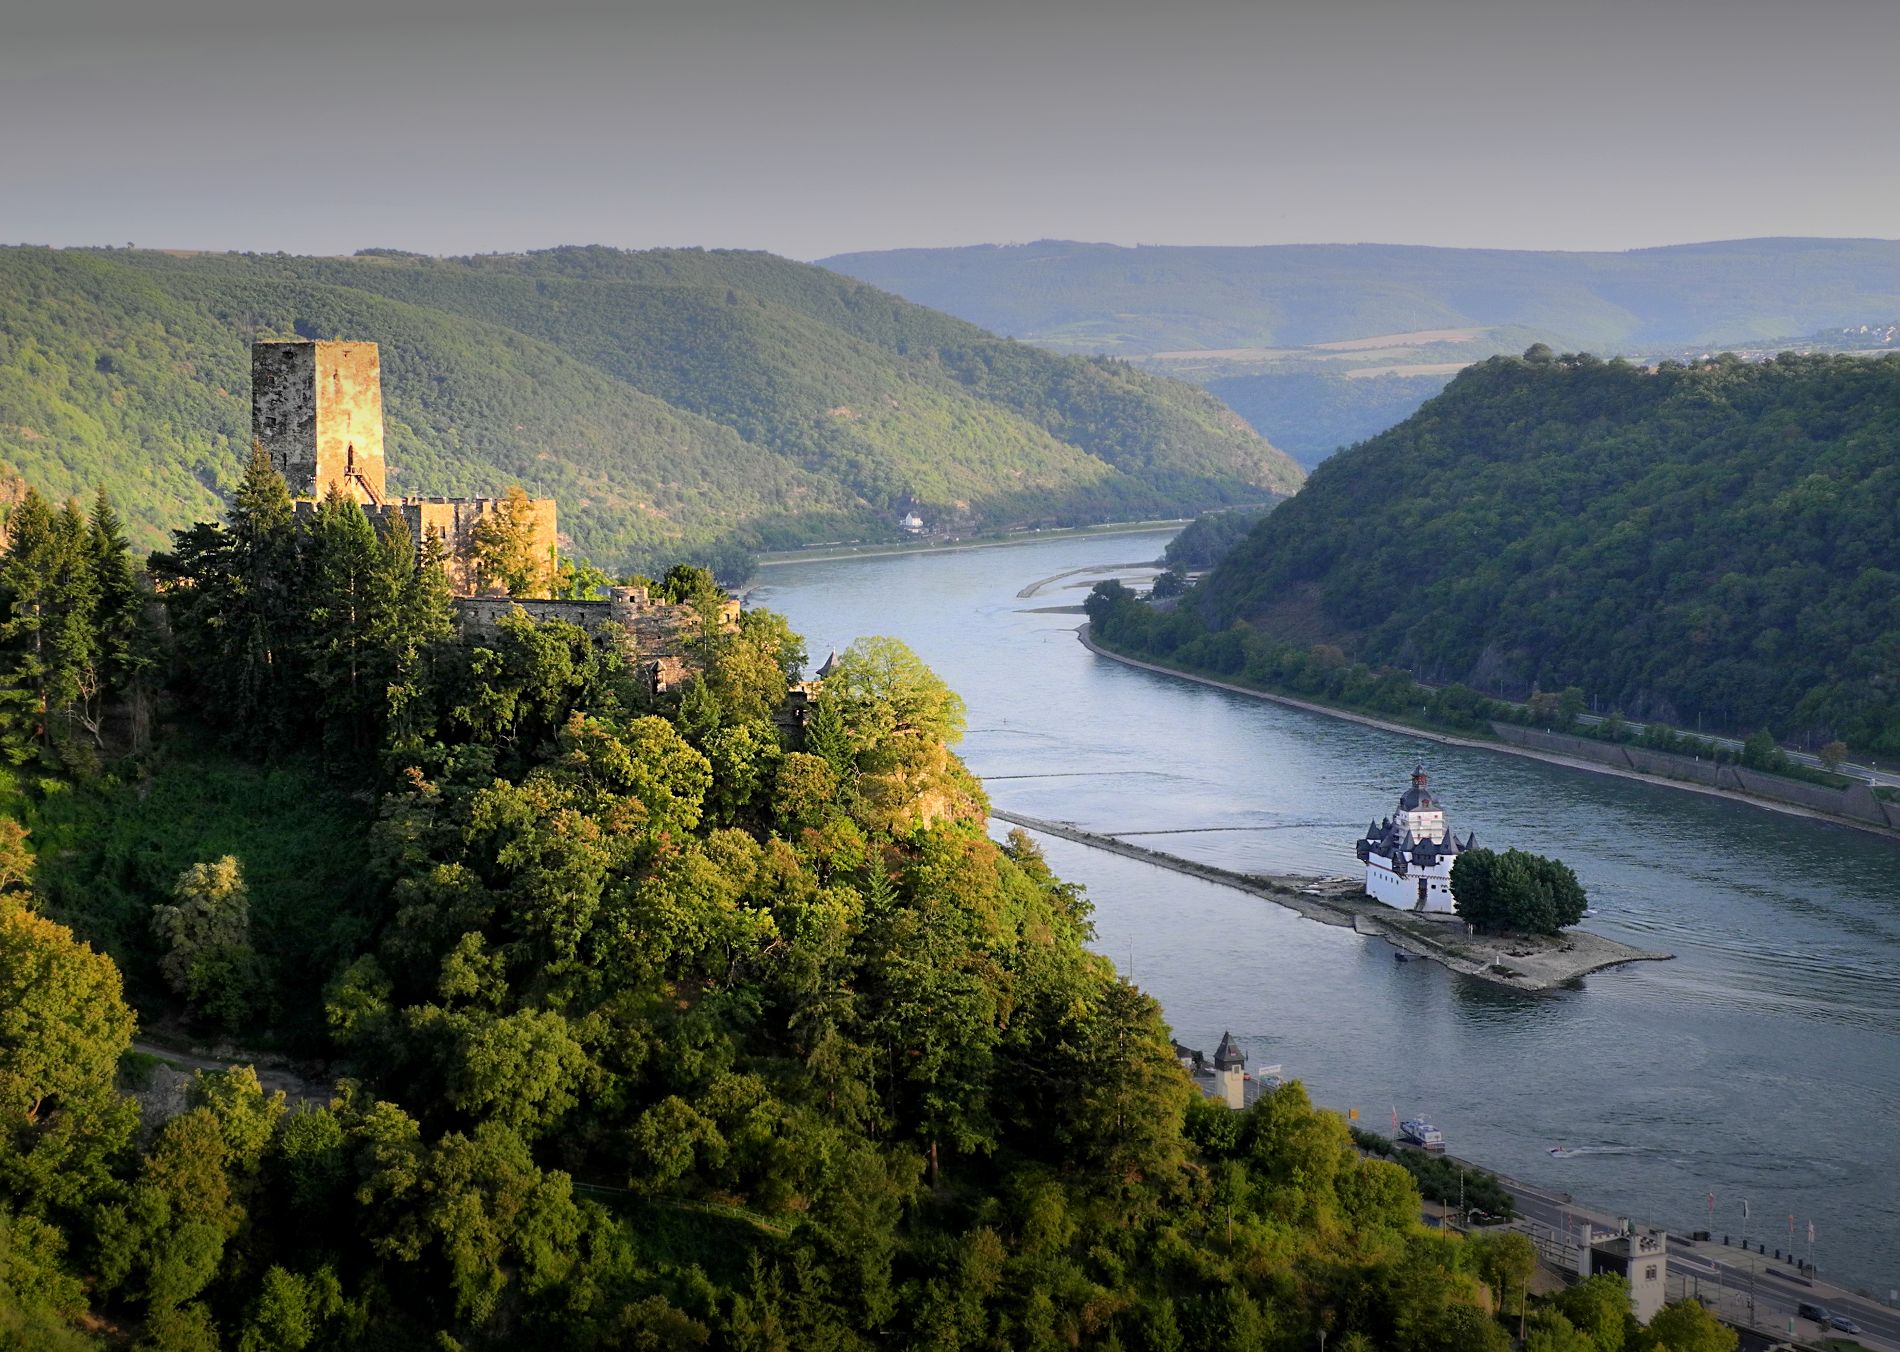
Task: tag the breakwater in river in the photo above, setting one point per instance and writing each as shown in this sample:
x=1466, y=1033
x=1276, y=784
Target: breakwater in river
x=1524, y=963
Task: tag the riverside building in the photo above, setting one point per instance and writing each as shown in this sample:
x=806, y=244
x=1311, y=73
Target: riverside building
x=1408, y=856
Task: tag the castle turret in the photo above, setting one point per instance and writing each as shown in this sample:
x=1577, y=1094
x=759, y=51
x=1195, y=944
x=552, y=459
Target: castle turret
x=1230, y=1065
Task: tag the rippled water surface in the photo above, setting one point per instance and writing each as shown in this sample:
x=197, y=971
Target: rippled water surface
x=1763, y=1062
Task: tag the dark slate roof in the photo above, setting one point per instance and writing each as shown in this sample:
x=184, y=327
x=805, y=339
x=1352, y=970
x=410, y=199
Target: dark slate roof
x=1228, y=1055
x=1416, y=798
x=825, y=670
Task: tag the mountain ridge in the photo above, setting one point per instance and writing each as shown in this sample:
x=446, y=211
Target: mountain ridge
x=676, y=402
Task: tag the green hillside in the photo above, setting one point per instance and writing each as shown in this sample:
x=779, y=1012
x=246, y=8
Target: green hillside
x=1104, y=298
x=674, y=400
x=1712, y=544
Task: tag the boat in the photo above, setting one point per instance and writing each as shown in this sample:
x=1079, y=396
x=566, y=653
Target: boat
x=1421, y=1133
x=1564, y=1152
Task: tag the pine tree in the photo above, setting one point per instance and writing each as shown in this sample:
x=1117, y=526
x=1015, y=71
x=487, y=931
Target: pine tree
x=352, y=598
x=25, y=586
x=415, y=617
x=128, y=646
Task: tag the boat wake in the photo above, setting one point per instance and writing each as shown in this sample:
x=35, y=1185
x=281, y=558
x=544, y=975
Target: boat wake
x=1564, y=1152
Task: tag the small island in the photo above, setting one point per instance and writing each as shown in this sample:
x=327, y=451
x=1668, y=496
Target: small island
x=1502, y=917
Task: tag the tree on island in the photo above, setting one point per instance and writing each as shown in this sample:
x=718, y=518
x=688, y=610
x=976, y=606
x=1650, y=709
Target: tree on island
x=1516, y=891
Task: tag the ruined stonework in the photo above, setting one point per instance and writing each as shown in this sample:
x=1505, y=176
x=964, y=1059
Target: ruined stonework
x=657, y=634
x=454, y=521
x=317, y=408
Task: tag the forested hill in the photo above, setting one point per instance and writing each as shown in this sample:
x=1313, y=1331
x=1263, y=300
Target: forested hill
x=674, y=401
x=1717, y=543
x=1105, y=298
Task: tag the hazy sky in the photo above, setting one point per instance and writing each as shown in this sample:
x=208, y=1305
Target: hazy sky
x=811, y=127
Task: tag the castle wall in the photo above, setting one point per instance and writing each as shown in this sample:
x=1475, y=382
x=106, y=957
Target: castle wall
x=1383, y=885
x=454, y=521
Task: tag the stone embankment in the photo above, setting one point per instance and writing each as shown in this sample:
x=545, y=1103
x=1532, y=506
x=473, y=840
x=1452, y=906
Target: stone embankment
x=1527, y=963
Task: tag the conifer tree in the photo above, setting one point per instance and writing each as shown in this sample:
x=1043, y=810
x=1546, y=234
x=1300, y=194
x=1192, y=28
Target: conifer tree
x=414, y=616
x=127, y=645
x=352, y=602
x=250, y=604
x=24, y=590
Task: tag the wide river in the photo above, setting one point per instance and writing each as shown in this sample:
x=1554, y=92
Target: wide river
x=1763, y=1063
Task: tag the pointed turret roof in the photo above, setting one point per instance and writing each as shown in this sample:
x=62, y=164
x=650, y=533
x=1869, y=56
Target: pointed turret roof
x=830, y=658
x=1228, y=1055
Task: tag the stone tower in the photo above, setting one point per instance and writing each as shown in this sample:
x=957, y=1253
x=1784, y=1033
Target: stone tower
x=1230, y=1072
x=317, y=408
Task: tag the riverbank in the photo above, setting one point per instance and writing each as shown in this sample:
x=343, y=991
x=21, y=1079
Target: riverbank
x=833, y=553
x=1527, y=963
x=1487, y=744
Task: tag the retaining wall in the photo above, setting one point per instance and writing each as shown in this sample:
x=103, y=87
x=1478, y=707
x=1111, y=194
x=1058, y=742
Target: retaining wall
x=1856, y=802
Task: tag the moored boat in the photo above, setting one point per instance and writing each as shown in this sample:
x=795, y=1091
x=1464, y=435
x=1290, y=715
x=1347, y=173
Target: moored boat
x=1421, y=1133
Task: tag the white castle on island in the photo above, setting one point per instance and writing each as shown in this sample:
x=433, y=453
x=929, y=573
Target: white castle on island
x=1408, y=856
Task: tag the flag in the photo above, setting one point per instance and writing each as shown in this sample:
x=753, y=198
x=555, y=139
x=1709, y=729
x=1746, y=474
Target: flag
x=1744, y=1208
x=1810, y=1232
x=1352, y=1114
x=1711, y=1201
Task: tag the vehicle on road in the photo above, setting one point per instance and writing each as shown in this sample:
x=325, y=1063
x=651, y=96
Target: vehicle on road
x=1842, y=1323
x=1807, y=1309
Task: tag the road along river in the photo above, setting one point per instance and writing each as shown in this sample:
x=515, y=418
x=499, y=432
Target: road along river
x=1763, y=1063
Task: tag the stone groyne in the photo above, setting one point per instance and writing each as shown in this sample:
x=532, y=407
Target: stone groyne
x=1524, y=963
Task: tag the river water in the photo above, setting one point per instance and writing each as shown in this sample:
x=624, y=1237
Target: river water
x=1762, y=1063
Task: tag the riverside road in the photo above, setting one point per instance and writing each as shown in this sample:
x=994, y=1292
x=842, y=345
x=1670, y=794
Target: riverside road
x=1749, y=1290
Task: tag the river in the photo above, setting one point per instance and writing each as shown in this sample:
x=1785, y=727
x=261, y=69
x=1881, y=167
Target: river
x=1763, y=1063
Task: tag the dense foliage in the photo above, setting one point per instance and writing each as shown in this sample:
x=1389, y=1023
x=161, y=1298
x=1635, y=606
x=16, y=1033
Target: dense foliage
x=1160, y=298
x=1204, y=541
x=665, y=1022
x=674, y=402
x=1516, y=892
x=1706, y=545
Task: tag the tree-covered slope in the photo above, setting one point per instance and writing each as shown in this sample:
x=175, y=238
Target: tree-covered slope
x=1104, y=298
x=671, y=400
x=1715, y=543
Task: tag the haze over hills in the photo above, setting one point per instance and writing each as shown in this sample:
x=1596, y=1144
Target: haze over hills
x=675, y=401
x=1320, y=346
x=1712, y=544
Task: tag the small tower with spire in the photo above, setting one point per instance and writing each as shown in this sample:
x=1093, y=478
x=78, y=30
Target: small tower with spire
x=1230, y=1066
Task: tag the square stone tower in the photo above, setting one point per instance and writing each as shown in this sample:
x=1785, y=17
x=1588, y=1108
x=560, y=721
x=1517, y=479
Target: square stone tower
x=317, y=408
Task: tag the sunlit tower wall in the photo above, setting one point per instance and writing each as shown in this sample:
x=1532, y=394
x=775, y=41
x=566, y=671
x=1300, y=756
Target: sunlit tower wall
x=317, y=409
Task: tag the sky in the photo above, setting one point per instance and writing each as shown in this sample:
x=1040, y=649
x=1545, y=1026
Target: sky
x=813, y=127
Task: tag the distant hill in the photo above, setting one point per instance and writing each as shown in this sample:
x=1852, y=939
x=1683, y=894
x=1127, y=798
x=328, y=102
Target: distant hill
x=1320, y=346
x=675, y=401
x=1714, y=544
x=1140, y=301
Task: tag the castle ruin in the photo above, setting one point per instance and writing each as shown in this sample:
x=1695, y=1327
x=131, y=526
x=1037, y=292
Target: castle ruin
x=317, y=410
